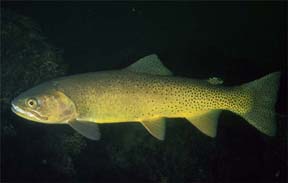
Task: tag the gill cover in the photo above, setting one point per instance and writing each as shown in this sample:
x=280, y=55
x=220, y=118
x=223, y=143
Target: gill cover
x=58, y=107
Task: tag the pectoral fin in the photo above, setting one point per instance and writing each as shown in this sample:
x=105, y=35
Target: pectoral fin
x=207, y=122
x=155, y=127
x=87, y=129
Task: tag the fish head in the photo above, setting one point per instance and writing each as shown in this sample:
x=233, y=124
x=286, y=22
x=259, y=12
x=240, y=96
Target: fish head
x=45, y=104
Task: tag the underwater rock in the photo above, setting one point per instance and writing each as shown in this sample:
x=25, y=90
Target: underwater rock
x=26, y=56
x=28, y=60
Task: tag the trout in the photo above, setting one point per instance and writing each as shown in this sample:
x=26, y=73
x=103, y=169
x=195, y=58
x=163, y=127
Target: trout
x=147, y=92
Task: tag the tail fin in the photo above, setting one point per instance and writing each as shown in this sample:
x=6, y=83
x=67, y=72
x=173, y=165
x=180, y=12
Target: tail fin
x=264, y=93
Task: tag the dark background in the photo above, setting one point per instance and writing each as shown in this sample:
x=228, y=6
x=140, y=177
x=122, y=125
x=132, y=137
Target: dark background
x=238, y=42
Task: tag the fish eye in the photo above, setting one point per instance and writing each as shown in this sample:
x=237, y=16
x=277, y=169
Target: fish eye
x=32, y=102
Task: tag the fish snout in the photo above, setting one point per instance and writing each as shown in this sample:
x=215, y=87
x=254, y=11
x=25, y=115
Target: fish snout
x=13, y=106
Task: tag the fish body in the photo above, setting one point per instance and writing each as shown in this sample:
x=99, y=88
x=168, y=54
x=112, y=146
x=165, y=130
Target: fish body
x=147, y=92
x=121, y=96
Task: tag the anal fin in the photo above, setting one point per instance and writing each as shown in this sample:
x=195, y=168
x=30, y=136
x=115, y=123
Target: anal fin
x=155, y=127
x=207, y=122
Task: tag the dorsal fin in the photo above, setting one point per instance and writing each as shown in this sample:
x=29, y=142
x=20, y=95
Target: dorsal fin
x=150, y=64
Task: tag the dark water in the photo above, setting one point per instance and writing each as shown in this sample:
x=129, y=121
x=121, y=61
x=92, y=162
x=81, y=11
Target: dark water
x=238, y=42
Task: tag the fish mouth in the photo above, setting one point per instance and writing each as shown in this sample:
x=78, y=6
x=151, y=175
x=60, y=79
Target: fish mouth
x=13, y=109
x=18, y=111
x=31, y=115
